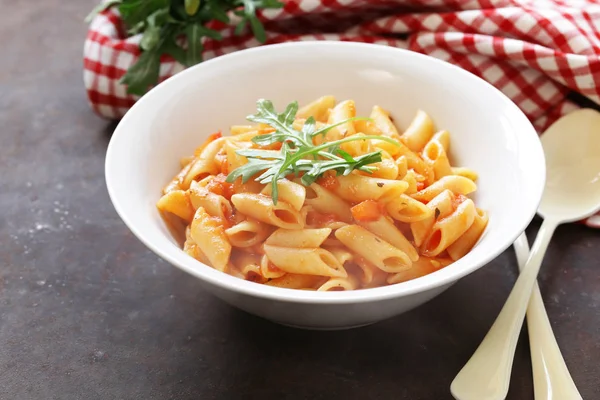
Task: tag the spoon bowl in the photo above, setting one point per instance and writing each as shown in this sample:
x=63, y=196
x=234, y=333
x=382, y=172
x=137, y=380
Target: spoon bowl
x=571, y=147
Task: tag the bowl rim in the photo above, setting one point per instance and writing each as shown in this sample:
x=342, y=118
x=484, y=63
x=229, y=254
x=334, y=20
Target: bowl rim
x=234, y=284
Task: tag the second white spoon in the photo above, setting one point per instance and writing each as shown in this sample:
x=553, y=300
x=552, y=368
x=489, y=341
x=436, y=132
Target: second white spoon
x=551, y=377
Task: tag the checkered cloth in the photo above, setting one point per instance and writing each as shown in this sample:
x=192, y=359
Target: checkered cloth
x=535, y=51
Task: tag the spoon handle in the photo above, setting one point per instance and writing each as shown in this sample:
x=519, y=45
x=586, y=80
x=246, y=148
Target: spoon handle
x=486, y=375
x=551, y=378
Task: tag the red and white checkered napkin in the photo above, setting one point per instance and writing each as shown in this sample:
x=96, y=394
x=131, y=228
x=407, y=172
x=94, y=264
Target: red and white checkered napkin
x=535, y=51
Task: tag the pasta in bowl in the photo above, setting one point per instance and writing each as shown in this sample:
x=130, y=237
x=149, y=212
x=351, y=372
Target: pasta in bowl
x=316, y=198
x=347, y=199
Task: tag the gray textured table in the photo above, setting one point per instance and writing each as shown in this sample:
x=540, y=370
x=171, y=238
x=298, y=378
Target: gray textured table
x=86, y=312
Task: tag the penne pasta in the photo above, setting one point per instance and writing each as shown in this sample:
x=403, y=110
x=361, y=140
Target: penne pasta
x=204, y=164
x=339, y=113
x=214, y=204
x=435, y=155
x=358, y=188
x=261, y=207
x=443, y=137
x=305, y=261
x=210, y=238
x=247, y=233
x=447, y=230
x=356, y=214
x=302, y=238
x=466, y=172
x=382, y=120
x=385, y=228
x=290, y=192
x=373, y=249
x=318, y=109
x=419, y=131
x=406, y=209
x=467, y=241
x=441, y=206
x=326, y=202
x=177, y=202
x=296, y=281
x=348, y=283
x=269, y=270
x=456, y=184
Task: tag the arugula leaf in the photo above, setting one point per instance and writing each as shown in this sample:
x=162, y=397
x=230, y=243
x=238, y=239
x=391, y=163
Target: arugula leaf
x=143, y=73
x=163, y=23
x=194, y=50
x=298, y=152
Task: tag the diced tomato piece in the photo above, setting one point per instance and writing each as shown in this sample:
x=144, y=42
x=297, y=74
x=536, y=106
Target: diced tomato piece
x=328, y=182
x=315, y=218
x=458, y=200
x=219, y=186
x=212, y=137
x=420, y=186
x=365, y=211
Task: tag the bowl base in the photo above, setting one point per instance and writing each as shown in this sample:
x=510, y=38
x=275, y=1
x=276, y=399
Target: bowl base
x=320, y=328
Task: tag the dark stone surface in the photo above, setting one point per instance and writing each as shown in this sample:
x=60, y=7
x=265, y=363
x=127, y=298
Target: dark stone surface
x=86, y=312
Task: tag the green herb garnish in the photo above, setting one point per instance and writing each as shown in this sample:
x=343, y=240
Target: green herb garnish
x=163, y=22
x=298, y=153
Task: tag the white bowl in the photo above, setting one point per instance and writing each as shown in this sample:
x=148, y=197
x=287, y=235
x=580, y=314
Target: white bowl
x=488, y=133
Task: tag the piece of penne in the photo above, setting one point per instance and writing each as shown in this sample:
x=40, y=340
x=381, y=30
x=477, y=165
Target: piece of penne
x=291, y=192
x=177, y=202
x=298, y=238
x=456, y=184
x=386, y=168
x=214, y=204
x=419, y=131
x=385, y=228
x=192, y=249
x=435, y=155
x=411, y=178
x=339, y=284
x=402, y=165
x=247, y=233
x=442, y=206
x=305, y=261
x=318, y=109
x=204, y=164
x=234, y=160
x=382, y=120
x=357, y=188
x=239, y=129
x=373, y=249
x=209, y=235
x=261, y=207
x=269, y=270
x=357, y=147
x=466, y=172
x=444, y=138
x=326, y=202
x=296, y=281
x=467, y=241
x=447, y=230
x=341, y=112
x=406, y=209
x=339, y=252
x=177, y=181
x=422, y=267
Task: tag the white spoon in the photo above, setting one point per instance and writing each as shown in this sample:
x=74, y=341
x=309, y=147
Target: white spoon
x=551, y=377
x=572, y=192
